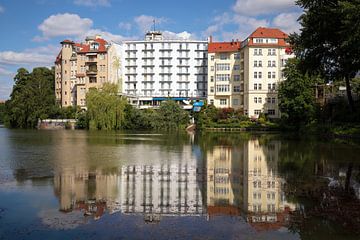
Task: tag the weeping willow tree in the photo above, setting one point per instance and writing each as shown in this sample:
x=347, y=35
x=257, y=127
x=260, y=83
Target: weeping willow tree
x=105, y=108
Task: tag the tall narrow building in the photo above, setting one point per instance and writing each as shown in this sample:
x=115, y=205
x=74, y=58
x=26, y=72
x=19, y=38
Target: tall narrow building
x=265, y=52
x=225, y=87
x=80, y=66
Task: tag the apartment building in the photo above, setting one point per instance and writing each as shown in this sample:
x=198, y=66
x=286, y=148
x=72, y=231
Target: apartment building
x=225, y=88
x=246, y=75
x=265, y=52
x=156, y=68
x=80, y=66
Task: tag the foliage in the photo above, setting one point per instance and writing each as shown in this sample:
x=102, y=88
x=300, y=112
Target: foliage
x=82, y=121
x=105, y=108
x=170, y=116
x=32, y=98
x=328, y=42
x=2, y=113
x=296, y=96
x=137, y=118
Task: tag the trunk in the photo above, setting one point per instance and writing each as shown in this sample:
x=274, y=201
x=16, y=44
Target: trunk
x=348, y=177
x=348, y=93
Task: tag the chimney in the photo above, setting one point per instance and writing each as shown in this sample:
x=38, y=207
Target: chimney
x=210, y=39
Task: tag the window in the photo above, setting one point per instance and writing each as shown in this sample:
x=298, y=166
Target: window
x=273, y=86
x=212, y=101
x=255, y=86
x=269, y=74
x=260, y=64
x=273, y=74
x=222, y=88
x=273, y=100
x=236, y=88
x=269, y=86
x=212, y=57
x=236, y=67
x=212, y=68
x=222, y=77
x=224, y=56
x=211, y=78
x=260, y=74
x=269, y=63
x=223, y=67
x=259, y=86
x=260, y=52
x=273, y=63
x=259, y=100
x=255, y=74
x=271, y=111
x=211, y=89
x=235, y=101
x=236, y=78
x=255, y=63
x=268, y=100
x=223, y=101
x=237, y=56
x=257, y=112
x=255, y=100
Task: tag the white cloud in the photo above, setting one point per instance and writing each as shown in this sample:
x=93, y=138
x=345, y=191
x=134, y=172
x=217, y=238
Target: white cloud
x=182, y=35
x=66, y=24
x=125, y=25
x=39, y=56
x=287, y=22
x=5, y=72
x=104, y=34
x=2, y=9
x=93, y=3
x=257, y=7
x=145, y=22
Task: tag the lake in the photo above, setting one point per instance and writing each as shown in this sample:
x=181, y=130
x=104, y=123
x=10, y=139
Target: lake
x=134, y=185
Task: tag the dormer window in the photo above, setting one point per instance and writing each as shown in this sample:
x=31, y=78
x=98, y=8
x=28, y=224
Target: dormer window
x=94, y=46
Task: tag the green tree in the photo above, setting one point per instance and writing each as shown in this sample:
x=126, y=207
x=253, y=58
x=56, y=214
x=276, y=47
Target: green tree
x=32, y=97
x=105, y=108
x=296, y=95
x=329, y=40
x=170, y=116
x=2, y=113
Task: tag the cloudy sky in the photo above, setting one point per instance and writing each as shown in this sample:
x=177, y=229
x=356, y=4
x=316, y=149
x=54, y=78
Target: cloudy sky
x=31, y=30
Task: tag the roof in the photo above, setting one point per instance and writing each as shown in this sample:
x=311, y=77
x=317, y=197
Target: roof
x=217, y=47
x=84, y=47
x=262, y=32
x=67, y=41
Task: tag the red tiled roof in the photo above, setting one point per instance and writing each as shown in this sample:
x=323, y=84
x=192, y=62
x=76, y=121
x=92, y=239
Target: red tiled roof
x=216, y=47
x=67, y=41
x=262, y=32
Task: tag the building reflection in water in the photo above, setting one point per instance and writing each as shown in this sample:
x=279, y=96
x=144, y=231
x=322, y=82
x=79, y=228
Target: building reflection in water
x=235, y=181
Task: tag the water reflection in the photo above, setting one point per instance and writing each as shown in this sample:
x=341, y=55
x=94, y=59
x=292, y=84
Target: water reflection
x=230, y=180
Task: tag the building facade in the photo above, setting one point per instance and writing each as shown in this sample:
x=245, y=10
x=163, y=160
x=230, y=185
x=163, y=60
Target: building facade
x=156, y=68
x=225, y=88
x=246, y=75
x=265, y=52
x=80, y=66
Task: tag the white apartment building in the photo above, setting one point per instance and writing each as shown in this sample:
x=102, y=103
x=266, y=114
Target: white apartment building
x=265, y=52
x=246, y=77
x=156, y=68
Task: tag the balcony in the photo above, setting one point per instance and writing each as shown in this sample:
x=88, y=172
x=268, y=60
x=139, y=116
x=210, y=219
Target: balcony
x=91, y=71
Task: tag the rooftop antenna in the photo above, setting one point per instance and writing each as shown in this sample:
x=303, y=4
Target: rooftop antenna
x=154, y=24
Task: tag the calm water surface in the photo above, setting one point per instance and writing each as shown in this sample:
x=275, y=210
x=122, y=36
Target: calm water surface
x=113, y=185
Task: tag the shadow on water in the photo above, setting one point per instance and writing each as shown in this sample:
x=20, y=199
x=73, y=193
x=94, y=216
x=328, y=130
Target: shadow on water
x=258, y=185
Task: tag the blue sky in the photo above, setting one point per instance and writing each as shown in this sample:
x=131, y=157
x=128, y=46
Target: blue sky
x=32, y=29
